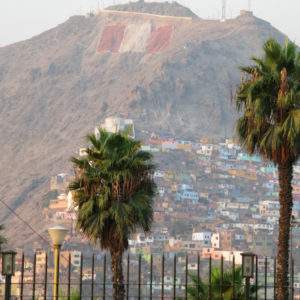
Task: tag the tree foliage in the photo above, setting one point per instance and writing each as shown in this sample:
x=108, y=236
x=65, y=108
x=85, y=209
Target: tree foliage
x=114, y=189
x=269, y=98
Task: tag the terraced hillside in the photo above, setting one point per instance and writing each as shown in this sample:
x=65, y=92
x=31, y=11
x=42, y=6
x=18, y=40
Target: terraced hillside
x=166, y=73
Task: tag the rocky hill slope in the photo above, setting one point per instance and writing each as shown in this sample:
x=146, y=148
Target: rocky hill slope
x=165, y=9
x=166, y=73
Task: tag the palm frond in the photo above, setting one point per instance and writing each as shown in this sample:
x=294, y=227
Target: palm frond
x=269, y=105
x=113, y=189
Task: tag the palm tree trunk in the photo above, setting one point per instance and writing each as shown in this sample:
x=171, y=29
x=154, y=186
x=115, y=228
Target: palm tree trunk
x=285, y=171
x=117, y=275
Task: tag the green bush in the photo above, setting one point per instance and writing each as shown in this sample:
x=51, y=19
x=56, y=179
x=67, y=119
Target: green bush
x=51, y=195
x=75, y=295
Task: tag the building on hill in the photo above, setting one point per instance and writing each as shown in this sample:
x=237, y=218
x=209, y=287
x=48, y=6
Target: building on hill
x=225, y=240
x=58, y=204
x=113, y=125
x=60, y=182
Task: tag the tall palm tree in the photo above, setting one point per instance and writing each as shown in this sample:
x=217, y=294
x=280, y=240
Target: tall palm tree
x=269, y=100
x=114, y=192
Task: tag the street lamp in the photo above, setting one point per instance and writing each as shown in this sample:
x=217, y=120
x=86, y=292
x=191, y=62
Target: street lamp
x=8, y=269
x=247, y=270
x=57, y=234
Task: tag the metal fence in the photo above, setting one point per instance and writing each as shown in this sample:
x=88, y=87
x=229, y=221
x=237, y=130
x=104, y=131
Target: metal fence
x=154, y=276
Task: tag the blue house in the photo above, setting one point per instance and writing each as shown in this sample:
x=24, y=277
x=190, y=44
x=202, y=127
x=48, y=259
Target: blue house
x=186, y=187
x=188, y=195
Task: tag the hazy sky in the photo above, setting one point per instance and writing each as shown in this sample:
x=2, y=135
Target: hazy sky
x=22, y=19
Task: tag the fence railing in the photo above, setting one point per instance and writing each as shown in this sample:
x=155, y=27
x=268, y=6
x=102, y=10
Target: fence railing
x=149, y=276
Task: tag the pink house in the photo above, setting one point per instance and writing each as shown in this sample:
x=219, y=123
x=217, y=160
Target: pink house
x=211, y=252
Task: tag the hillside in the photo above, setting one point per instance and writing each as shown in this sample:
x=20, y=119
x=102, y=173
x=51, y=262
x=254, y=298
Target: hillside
x=166, y=9
x=166, y=73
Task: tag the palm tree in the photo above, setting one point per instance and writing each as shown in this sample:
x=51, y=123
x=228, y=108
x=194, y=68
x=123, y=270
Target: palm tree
x=114, y=192
x=269, y=98
x=228, y=290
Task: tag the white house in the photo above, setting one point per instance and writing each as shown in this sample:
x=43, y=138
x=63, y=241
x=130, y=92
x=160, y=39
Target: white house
x=215, y=240
x=228, y=256
x=70, y=201
x=117, y=124
x=201, y=236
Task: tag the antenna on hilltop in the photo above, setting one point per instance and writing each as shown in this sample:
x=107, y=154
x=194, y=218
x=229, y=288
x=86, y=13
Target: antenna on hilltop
x=224, y=9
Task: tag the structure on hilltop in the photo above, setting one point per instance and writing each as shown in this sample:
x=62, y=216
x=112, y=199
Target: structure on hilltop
x=113, y=125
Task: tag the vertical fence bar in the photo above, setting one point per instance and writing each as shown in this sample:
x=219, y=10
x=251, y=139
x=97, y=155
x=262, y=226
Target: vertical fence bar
x=209, y=288
x=46, y=277
x=80, y=279
x=22, y=277
x=221, y=278
x=256, y=278
x=274, y=278
x=151, y=275
x=174, y=278
x=34, y=277
x=233, y=277
x=127, y=278
x=266, y=276
x=292, y=287
x=198, y=276
x=93, y=272
x=162, y=277
x=139, y=278
x=186, y=275
x=104, y=277
x=69, y=278
x=56, y=271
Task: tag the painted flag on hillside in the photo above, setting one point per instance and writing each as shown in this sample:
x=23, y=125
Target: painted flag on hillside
x=160, y=39
x=135, y=38
x=111, y=38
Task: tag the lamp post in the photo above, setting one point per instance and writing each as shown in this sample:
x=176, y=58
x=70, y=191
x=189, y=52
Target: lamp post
x=8, y=269
x=57, y=234
x=247, y=270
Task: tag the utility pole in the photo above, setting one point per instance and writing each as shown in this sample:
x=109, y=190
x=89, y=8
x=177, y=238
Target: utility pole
x=249, y=5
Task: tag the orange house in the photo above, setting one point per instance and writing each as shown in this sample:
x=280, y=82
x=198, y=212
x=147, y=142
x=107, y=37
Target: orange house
x=211, y=252
x=58, y=204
